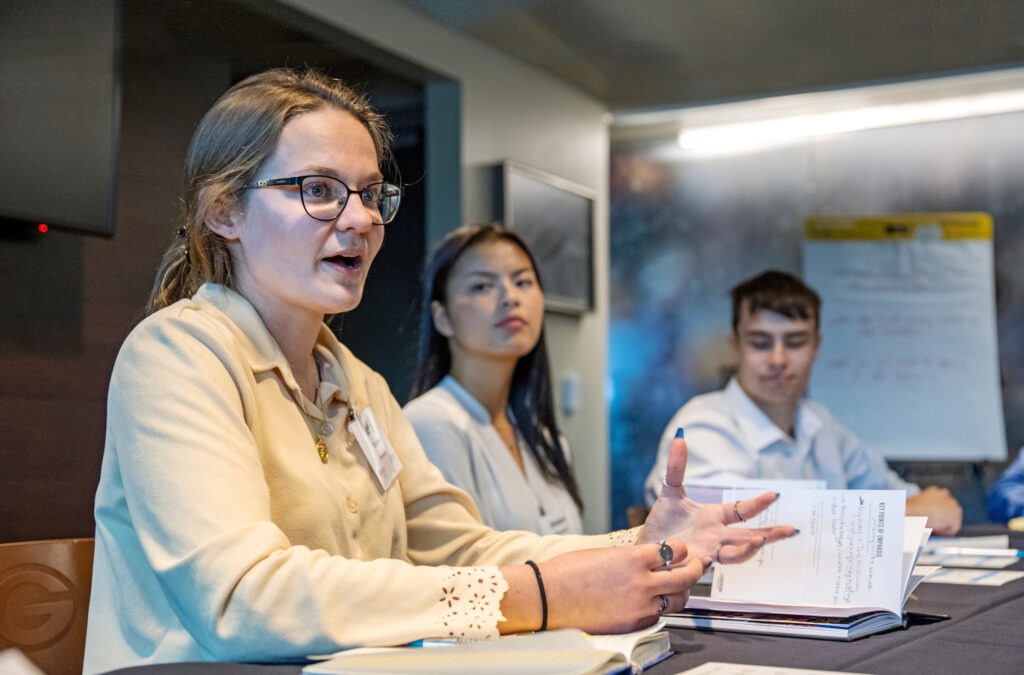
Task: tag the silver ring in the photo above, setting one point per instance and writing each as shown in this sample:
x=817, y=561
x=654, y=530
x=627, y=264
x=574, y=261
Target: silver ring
x=664, y=605
x=736, y=510
x=673, y=487
x=665, y=551
x=718, y=555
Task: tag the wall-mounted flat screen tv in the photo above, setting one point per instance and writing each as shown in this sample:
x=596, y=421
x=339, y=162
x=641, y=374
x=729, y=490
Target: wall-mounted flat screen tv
x=59, y=114
x=555, y=217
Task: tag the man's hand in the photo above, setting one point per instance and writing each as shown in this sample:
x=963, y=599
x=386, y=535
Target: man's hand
x=705, y=527
x=944, y=513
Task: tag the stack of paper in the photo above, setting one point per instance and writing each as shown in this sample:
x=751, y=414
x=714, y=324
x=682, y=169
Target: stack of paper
x=972, y=561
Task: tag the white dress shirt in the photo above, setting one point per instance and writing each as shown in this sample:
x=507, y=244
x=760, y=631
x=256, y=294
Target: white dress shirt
x=456, y=433
x=728, y=436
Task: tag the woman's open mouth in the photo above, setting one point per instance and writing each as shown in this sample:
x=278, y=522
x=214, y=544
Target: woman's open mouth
x=347, y=262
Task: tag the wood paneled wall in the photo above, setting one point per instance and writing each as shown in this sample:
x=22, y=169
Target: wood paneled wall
x=68, y=300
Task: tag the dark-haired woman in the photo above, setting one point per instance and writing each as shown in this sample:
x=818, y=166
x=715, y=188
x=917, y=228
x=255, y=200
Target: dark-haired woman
x=483, y=406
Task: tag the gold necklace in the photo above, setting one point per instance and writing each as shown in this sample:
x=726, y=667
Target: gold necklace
x=321, y=446
x=326, y=428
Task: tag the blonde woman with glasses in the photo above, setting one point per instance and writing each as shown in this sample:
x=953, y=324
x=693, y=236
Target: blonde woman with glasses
x=262, y=496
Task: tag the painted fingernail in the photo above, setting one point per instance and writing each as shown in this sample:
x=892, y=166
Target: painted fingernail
x=795, y=531
x=679, y=432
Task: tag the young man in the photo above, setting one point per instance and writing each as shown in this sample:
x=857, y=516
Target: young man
x=760, y=426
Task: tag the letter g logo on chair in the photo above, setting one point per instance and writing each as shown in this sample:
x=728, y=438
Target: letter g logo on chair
x=37, y=606
x=44, y=601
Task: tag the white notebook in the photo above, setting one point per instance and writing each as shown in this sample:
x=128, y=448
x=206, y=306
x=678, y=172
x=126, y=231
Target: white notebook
x=556, y=652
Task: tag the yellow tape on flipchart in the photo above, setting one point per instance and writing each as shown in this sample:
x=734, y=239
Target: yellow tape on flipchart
x=898, y=227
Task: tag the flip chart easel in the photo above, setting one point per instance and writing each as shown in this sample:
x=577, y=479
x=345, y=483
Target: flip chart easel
x=909, y=359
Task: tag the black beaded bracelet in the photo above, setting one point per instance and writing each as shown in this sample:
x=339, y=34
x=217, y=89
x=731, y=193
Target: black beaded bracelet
x=543, y=596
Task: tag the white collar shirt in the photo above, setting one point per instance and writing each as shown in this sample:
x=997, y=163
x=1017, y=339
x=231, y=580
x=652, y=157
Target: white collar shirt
x=456, y=433
x=729, y=436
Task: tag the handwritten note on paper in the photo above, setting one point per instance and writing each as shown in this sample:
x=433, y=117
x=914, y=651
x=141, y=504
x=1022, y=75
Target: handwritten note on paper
x=910, y=357
x=849, y=551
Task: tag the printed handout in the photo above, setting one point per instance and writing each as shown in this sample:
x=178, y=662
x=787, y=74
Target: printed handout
x=849, y=551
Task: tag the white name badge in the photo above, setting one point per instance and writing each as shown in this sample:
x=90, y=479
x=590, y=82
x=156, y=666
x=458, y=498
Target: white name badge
x=554, y=524
x=382, y=457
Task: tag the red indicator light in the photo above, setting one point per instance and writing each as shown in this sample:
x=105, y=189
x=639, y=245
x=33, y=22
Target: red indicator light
x=43, y=227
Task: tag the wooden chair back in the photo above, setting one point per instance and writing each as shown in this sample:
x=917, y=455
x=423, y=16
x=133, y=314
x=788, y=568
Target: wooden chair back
x=44, y=601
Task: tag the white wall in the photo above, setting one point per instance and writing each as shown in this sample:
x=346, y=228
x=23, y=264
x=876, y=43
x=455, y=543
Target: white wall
x=512, y=111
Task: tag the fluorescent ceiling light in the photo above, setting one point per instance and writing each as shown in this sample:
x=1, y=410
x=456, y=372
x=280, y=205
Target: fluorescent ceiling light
x=749, y=126
x=760, y=134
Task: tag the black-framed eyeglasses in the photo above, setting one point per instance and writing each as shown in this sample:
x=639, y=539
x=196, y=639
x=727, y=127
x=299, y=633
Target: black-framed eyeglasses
x=325, y=197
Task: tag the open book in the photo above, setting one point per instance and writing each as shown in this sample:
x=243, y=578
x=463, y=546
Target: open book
x=847, y=573
x=568, y=652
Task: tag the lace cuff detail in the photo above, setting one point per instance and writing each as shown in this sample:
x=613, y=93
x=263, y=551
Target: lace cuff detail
x=470, y=602
x=624, y=537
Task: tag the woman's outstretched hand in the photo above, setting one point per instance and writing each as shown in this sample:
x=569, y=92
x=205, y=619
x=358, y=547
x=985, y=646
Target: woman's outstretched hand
x=609, y=590
x=705, y=527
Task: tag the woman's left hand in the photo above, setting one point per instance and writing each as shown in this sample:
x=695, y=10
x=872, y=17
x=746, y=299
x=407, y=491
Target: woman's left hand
x=705, y=527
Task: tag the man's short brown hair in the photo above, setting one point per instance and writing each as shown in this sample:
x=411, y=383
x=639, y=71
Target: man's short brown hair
x=778, y=292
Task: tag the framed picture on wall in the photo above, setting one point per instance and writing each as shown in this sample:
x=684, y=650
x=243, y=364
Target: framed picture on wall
x=556, y=219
